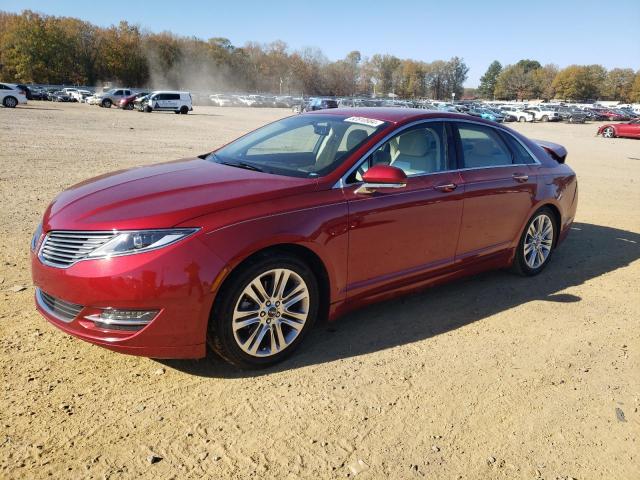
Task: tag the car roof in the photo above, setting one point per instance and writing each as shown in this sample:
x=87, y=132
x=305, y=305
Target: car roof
x=390, y=114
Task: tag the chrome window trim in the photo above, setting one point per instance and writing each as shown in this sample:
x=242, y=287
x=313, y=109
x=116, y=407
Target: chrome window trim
x=342, y=183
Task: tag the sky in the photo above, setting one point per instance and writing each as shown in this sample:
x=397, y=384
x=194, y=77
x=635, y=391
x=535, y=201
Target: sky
x=560, y=32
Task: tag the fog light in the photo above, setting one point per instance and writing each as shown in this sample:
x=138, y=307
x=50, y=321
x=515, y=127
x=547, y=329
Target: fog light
x=122, y=319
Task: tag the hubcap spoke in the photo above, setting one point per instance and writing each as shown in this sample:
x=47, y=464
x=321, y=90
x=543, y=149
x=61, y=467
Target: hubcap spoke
x=238, y=324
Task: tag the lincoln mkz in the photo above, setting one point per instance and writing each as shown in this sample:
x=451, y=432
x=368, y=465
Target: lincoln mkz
x=242, y=249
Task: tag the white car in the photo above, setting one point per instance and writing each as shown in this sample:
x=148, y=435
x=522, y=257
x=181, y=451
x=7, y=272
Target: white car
x=11, y=96
x=80, y=95
x=221, y=100
x=521, y=115
x=542, y=114
x=178, y=102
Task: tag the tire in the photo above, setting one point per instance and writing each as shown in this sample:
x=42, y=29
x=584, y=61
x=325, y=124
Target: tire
x=106, y=103
x=522, y=119
x=271, y=320
x=545, y=118
x=536, y=244
x=184, y=110
x=609, y=132
x=148, y=109
x=10, y=102
x=129, y=106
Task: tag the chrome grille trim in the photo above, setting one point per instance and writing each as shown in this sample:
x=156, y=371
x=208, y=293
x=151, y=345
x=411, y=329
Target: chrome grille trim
x=60, y=309
x=63, y=248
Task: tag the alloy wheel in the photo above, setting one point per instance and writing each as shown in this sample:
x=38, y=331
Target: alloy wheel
x=538, y=241
x=270, y=312
x=608, y=132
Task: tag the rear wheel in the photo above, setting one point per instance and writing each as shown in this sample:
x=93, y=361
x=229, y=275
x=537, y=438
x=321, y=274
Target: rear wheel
x=264, y=311
x=536, y=244
x=522, y=119
x=609, y=132
x=10, y=102
x=545, y=118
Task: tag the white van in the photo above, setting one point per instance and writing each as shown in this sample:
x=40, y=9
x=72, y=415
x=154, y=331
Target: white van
x=178, y=102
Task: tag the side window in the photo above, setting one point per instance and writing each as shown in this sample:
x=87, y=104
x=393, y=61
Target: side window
x=417, y=151
x=520, y=154
x=172, y=96
x=159, y=96
x=118, y=92
x=482, y=146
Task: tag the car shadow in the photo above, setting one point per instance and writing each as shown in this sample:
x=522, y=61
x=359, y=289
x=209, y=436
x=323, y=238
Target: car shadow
x=24, y=107
x=588, y=252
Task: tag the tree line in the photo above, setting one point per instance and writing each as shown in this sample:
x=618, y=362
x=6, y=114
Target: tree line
x=37, y=48
x=528, y=79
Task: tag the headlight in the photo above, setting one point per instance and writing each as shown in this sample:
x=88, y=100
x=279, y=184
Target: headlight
x=36, y=237
x=128, y=243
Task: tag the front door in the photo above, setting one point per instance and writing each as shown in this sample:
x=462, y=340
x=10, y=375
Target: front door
x=398, y=235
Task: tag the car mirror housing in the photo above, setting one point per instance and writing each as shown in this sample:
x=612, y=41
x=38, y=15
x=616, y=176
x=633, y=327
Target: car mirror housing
x=381, y=177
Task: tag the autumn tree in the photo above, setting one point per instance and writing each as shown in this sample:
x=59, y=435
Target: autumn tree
x=619, y=84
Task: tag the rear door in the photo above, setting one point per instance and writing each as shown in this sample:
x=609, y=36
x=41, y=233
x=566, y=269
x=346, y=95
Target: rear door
x=499, y=177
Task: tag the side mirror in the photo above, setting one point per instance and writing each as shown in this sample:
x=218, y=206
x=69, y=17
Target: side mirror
x=380, y=177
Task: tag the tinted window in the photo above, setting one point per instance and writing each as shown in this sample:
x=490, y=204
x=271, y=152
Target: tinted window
x=118, y=92
x=4, y=87
x=482, y=147
x=520, y=154
x=171, y=96
x=416, y=151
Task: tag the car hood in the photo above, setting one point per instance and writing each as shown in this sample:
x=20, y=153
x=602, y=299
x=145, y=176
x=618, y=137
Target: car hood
x=164, y=195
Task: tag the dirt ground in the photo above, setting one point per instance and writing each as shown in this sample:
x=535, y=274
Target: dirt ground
x=495, y=376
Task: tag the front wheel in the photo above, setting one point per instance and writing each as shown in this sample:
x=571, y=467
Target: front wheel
x=545, y=118
x=264, y=311
x=522, y=119
x=184, y=110
x=107, y=103
x=536, y=244
x=609, y=132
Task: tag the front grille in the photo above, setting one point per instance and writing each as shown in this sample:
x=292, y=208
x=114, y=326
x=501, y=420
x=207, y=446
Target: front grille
x=62, y=310
x=64, y=248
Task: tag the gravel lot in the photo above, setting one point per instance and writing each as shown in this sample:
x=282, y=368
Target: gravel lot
x=491, y=377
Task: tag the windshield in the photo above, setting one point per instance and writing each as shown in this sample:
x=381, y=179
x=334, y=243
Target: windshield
x=299, y=146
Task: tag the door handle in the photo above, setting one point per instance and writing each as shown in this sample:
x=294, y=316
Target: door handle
x=447, y=187
x=520, y=177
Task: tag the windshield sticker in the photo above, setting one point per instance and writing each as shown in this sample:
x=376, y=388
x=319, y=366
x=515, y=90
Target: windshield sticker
x=364, y=121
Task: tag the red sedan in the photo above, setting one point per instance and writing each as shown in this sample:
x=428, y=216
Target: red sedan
x=244, y=248
x=630, y=129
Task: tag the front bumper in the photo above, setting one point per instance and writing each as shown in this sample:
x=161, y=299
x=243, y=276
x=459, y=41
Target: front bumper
x=177, y=281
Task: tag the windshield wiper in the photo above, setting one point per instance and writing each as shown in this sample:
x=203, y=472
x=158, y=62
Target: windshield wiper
x=245, y=165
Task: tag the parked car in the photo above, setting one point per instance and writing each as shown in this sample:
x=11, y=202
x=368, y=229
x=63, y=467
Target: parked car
x=571, y=115
x=168, y=101
x=110, y=97
x=244, y=248
x=60, y=96
x=629, y=129
x=220, y=100
x=320, y=104
x=614, y=115
x=544, y=114
x=26, y=90
x=486, y=114
x=11, y=96
x=80, y=95
x=127, y=103
x=521, y=115
x=37, y=93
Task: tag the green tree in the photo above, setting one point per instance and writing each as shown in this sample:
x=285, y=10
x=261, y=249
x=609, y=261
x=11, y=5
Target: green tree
x=580, y=82
x=489, y=79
